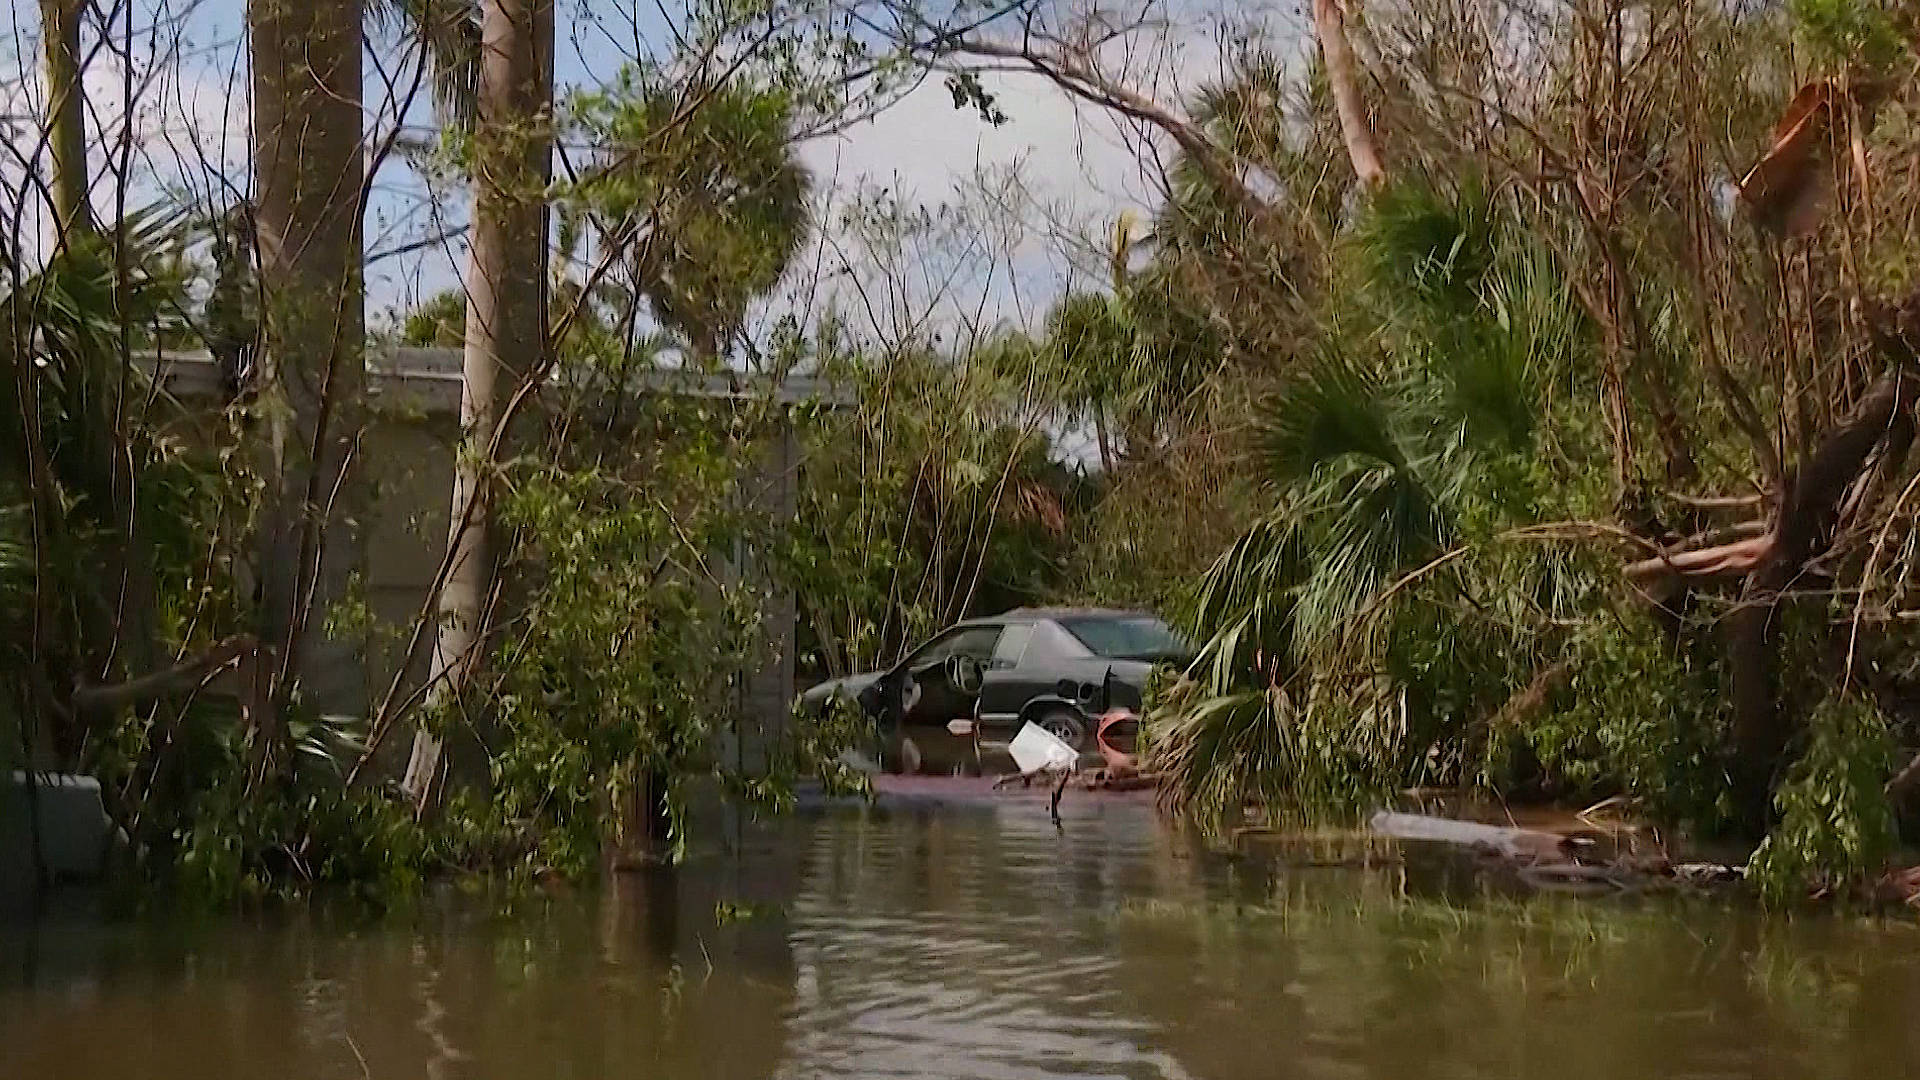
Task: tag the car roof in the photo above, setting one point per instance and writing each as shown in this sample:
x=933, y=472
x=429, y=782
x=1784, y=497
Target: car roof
x=1073, y=613
x=1051, y=614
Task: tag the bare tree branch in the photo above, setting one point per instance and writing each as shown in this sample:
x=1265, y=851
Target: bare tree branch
x=156, y=684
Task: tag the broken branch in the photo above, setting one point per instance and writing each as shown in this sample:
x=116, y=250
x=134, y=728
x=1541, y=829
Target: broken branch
x=180, y=676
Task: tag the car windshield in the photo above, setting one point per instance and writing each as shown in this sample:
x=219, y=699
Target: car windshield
x=1132, y=637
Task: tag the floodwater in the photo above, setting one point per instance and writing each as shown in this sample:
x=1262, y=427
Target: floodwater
x=968, y=937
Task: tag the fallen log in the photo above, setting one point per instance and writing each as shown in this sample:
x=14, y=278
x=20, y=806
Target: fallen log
x=1554, y=861
x=1527, y=845
x=1734, y=559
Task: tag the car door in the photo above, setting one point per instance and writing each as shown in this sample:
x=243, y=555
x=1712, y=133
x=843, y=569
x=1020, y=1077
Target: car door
x=932, y=699
x=1009, y=683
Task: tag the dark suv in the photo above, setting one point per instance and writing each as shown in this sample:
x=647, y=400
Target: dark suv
x=1061, y=668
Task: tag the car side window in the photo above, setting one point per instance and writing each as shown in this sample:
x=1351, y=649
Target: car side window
x=974, y=641
x=1012, y=645
x=1056, y=644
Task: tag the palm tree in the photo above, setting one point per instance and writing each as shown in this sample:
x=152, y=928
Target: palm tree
x=66, y=451
x=1224, y=256
x=308, y=172
x=1092, y=342
x=1400, y=440
x=717, y=192
x=66, y=108
x=506, y=332
x=1130, y=358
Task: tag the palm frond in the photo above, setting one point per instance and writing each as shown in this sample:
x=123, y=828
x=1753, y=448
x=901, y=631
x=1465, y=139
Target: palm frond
x=1093, y=341
x=1492, y=365
x=1372, y=526
x=1242, y=613
x=71, y=313
x=1334, y=409
x=723, y=187
x=1486, y=377
x=1292, y=752
x=1419, y=246
x=450, y=32
x=1213, y=751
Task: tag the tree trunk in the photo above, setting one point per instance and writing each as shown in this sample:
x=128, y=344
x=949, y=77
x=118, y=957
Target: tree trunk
x=643, y=819
x=1761, y=729
x=66, y=109
x=506, y=330
x=1330, y=26
x=308, y=179
x=1103, y=437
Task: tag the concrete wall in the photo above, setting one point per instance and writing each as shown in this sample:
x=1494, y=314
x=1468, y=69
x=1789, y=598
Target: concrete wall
x=765, y=694
x=401, y=510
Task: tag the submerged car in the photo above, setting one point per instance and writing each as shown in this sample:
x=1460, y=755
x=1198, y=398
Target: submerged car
x=1060, y=668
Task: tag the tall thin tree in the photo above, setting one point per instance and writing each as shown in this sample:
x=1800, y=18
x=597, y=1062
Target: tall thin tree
x=506, y=328
x=1363, y=148
x=66, y=106
x=308, y=206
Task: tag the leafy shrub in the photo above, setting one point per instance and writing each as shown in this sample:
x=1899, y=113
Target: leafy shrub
x=1836, y=826
x=1639, y=716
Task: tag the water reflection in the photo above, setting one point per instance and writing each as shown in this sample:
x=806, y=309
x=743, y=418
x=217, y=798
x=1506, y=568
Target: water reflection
x=972, y=941
x=935, y=944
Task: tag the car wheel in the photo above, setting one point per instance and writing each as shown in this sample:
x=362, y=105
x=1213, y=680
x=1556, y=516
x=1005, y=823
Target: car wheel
x=1064, y=725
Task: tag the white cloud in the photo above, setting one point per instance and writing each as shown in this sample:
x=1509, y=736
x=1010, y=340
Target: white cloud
x=925, y=146
x=182, y=127
x=1073, y=168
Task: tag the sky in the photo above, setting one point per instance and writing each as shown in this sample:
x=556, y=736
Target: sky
x=1079, y=167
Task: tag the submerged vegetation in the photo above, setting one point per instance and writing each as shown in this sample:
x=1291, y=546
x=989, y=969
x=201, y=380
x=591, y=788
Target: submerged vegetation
x=1519, y=402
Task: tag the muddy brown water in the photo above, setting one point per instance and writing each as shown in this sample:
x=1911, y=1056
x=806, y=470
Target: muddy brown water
x=951, y=933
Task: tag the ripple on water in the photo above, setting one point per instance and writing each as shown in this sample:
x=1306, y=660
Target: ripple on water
x=988, y=973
